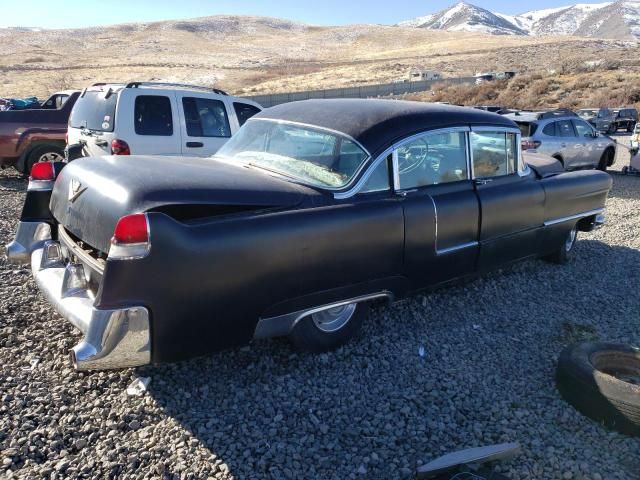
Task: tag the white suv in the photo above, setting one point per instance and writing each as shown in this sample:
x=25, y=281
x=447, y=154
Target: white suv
x=145, y=118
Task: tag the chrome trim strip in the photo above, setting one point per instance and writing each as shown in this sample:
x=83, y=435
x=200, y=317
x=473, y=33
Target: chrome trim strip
x=112, y=338
x=29, y=236
x=395, y=166
x=462, y=246
x=40, y=185
x=573, y=217
x=283, y=324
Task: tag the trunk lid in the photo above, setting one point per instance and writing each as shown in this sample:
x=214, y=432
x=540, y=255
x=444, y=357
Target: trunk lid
x=92, y=194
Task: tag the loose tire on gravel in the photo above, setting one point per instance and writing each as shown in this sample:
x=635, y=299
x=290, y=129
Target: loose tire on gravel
x=43, y=153
x=602, y=381
x=324, y=331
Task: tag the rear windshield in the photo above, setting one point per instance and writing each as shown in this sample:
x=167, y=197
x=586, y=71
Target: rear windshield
x=94, y=111
x=528, y=129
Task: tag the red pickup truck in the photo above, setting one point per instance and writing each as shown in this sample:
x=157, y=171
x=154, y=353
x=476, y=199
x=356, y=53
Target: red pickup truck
x=35, y=135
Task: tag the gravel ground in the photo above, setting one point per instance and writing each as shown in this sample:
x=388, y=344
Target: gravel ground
x=374, y=409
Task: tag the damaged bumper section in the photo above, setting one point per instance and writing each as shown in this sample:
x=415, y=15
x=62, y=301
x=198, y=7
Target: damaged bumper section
x=118, y=338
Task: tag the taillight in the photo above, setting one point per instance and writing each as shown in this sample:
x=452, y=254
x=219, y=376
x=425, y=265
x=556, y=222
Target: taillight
x=42, y=176
x=120, y=147
x=530, y=144
x=131, y=237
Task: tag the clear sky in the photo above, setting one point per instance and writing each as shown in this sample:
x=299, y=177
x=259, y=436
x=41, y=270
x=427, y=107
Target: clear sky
x=82, y=13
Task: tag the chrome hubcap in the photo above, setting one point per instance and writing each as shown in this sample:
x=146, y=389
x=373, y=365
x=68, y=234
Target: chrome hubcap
x=571, y=239
x=333, y=319
x=50, y=157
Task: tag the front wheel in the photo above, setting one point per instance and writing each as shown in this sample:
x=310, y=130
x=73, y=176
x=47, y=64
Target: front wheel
x=563, y=253
x=329, y=329
x=613, y=128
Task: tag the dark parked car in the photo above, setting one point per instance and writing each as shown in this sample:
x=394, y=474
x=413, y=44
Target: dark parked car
x=626, y=118
x=311, y=212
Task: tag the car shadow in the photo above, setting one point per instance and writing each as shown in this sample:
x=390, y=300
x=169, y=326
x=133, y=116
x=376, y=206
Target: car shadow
x=381, y=403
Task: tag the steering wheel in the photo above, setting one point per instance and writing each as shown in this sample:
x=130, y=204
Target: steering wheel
x=412, y=156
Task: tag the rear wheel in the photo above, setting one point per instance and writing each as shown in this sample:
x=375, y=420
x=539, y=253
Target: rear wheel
x=563, y=253
x=328, y=329
x=43, y=153
x=606, y=160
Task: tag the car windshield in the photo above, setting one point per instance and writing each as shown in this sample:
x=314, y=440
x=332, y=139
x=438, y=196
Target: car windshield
x=306, y=154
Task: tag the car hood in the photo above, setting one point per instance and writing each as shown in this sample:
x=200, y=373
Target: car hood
x=91, y=194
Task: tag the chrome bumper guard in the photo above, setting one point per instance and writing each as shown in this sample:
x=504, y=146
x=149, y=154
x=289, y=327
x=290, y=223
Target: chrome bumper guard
x=29, y=236
x=112, y=338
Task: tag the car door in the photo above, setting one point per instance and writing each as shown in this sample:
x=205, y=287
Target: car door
x=511, y=199
x=592, y=145
x=570, y=146
x=205, y=124
x=432, y=175
x=153, y=127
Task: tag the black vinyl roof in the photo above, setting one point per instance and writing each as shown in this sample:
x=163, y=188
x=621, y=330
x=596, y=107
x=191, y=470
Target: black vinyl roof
x=377, y=124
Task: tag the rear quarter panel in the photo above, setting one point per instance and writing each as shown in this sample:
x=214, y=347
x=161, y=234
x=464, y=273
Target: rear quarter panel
x=206, y=285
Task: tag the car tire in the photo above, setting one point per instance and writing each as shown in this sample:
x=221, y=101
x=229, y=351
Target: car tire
x=563, y=253
x=605, y=160
x=326, y=330
x=613, y=128
x=602, y=381
x=630, y=127
x=43, y=153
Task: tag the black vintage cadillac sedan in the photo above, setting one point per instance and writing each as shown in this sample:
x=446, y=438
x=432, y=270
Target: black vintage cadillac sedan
x=311, y=212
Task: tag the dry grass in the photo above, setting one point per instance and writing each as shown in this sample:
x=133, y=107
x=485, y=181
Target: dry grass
x=251, y=55
x=599, y=88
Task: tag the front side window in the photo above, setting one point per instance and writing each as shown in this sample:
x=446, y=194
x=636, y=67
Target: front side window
x=583, y=128
x=432, y=159
x=494, y=153
x=304, y=153
x=152, y=116
x=244, y=111
x=205, y=117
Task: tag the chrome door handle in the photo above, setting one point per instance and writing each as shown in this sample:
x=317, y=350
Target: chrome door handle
x=482, y=181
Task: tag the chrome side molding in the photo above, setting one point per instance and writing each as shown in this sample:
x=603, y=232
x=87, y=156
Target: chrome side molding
x=283, y=324
x=577, y=216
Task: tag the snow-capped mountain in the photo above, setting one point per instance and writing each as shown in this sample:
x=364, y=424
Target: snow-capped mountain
x=466, y=17
x=617, y=20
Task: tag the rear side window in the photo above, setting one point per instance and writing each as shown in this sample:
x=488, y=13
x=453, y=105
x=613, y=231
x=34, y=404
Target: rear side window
x=205, y=117
x=528, y=129
x=494, y=154
x=244, y=111
x=153, y=116
x=550, y=129
x=94, y=111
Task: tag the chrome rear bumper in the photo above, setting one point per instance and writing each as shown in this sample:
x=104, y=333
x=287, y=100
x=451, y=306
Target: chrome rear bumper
x=112, y=338
x=29, y=236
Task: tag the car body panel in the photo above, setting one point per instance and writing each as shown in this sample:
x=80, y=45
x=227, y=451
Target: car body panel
x=210, y=279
